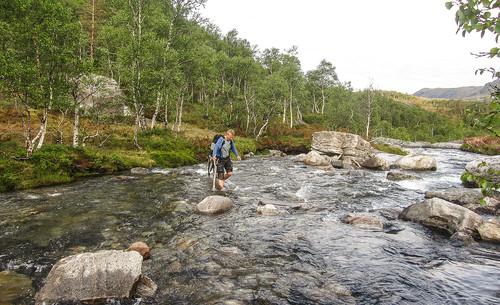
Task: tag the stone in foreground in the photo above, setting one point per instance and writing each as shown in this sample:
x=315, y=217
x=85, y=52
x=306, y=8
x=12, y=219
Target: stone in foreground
x=92, y=276
x=214, y=204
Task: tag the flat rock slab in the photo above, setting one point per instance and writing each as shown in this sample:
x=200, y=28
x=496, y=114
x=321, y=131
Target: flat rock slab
x=92, y=276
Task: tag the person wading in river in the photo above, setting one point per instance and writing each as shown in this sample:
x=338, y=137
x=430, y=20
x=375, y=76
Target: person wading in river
x=221, y=156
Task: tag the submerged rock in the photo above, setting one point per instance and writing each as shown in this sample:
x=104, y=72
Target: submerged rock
x=418, y=162
x=12, y=286
x=400, y=176
x=364, y=222
x=443, y=216
x=214, y=204
x=92, y=276
x=267, y=209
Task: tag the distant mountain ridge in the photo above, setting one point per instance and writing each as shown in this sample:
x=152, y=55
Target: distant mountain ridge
x=467, y=92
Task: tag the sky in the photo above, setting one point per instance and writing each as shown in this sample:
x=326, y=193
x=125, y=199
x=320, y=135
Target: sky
x=400, y=45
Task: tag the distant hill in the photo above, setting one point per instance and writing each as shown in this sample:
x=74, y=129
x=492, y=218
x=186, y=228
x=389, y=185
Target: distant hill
x=460, y=92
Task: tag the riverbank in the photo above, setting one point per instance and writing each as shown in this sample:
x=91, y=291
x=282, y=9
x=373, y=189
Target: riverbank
x=60, y=163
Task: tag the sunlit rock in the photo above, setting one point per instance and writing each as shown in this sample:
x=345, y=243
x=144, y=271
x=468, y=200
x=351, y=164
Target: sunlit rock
x=490, y=231
x=443, y=216
x=92, y=276
x=214, y=204
x=418, y=162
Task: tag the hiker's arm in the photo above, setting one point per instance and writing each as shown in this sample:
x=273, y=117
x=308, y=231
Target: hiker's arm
x=233, y=148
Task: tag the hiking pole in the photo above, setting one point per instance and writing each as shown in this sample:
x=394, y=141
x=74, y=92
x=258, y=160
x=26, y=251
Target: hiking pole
x=215, y=174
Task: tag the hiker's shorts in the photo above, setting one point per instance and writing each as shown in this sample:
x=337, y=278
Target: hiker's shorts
x=224, y=164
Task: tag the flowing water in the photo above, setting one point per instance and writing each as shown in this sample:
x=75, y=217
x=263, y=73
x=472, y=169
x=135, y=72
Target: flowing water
x=301, y=256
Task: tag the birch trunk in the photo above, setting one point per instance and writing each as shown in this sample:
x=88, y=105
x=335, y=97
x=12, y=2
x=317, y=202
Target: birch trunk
x=76, y=126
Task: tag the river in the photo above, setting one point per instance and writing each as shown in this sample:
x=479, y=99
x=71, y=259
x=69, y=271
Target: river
x=301, y=256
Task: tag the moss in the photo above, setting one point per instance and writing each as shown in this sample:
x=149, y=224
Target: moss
x=390, y=149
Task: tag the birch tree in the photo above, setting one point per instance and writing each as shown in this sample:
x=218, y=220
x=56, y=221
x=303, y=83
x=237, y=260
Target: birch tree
x=39, y=44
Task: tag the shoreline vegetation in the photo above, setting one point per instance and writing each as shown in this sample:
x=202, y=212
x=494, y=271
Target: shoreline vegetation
x=57, y=163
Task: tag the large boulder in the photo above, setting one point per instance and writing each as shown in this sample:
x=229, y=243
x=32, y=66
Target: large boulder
x=418, y=162
x=350, y=148
x=468, y=198
x=214, y=204
x=97, y=91
x=92, y=276
x=443, y=216
x=487, y=168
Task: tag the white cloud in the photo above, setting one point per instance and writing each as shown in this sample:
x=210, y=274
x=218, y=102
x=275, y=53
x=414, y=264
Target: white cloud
x=401, y=45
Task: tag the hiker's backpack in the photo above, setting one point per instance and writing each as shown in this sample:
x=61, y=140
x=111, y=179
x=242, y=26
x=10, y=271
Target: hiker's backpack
x=214, y=141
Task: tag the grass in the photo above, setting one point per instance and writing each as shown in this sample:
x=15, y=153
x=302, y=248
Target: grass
x=487, y=145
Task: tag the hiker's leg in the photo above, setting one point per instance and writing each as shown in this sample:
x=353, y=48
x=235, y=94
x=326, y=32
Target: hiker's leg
x=220, y=174
x=227, y=175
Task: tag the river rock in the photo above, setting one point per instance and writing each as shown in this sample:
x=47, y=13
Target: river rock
x=92, y=276
x=267, y=209
x=418, y=162
x=490, y=231
x=12, y=286
x=443, y=216
x=214, y=204
x=377, y=163
x=400, y=176
x=299, y=158
x=140, y=247
x=276, y=153
x=468, y=198
x=139, y=171
x=364, y=222
x=487, y=168
x=315, y=159
x=352, y=149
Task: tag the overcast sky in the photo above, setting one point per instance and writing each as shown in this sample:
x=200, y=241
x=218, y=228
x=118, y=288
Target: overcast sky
x=401, y=45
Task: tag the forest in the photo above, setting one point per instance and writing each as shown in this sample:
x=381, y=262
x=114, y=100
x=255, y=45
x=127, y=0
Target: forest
x=175, y=70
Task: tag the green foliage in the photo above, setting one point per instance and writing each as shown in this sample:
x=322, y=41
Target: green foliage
x=487, y=186
x=390, y=149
